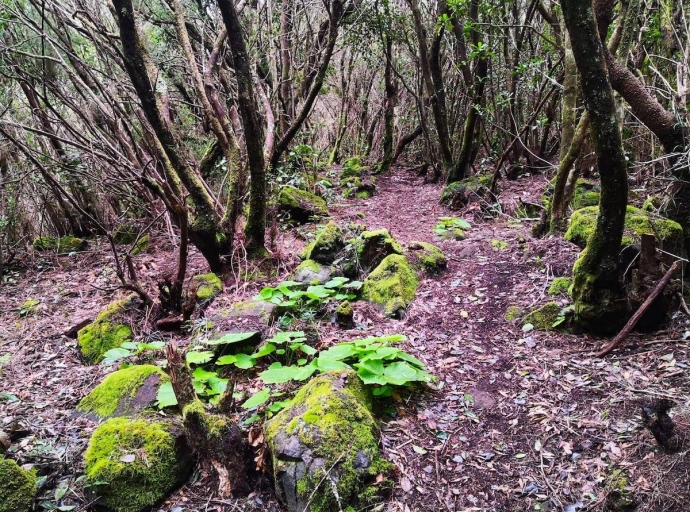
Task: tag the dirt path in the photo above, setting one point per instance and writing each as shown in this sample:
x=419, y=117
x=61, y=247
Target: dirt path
x=518, y=420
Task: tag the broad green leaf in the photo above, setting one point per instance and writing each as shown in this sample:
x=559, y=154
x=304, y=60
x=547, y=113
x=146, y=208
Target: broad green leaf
x=257, y=399
x=217, y=386
x=225, y=360
x=286, y=336
x=383, y=353
x=264, y=351
x=266, y=294
x=245, y=361
x=166, y=396
x=336, y=282
x=305, y=372
x=411, y=359
x=196, y=357
x=154, y=345
x=130, y=345
x=203, y=375
x=353, y=284
x=310, y=351
x=279, y=375
x=338, y=352
x=370, y=378
x=326, y=365
x=115, y=354
x=278, y=406
x=401, y=373
x=371, y=366
x=232, y=337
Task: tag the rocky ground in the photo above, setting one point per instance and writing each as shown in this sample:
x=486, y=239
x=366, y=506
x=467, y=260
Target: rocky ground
x=518, y=419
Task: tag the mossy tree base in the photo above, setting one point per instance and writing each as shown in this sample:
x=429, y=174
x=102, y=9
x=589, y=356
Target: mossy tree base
x=17, y=487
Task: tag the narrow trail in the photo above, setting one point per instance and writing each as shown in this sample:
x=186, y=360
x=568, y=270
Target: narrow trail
x=518, y=419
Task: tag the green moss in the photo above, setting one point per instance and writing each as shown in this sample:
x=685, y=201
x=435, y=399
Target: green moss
x=392, y=284
x=456, y=195
x=301, y=205
x=652, y=204
x=117, y=389
x=427, y=256
x=209, y=286
x=125, y=234
x=352, y=182
x=560, y=285
x=61, y=245
x=585, y=194
x=669, y=233
x=127, y=485
x=544, y=317
x=352, y=168
x=104, y=333
x=331, y=415
x=364, y=194
x=17, y=487
x=512, y=313
x=324, y=249
x=141, y=246
x=373, y=246
x=499, y=245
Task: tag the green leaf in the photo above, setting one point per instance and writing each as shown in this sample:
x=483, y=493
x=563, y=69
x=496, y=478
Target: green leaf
x=310, y=351
x=318, y=292
x=338, y=352
x=257, y=399
x=305, y=372
x=154, y=345
x=401, y=374
x=277, y=406
x=203, y=375
x=165, y=396
x=264, y=351
x=353, y=284
x=285, y=337
x=225, y=360
x=115, y=354
x=372, y=366
x=130, y=345
x=336, y=282
x=217, y=386
x=326, y=365
x=266, y=293
x=370, y=378
x=280, y=374
x=199, y=357
x=245, y=361
x=232, y=337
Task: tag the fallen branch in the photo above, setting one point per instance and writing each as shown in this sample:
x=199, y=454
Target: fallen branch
x=642, y=309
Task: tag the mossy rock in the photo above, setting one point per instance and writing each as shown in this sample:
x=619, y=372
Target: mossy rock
x=106, y=332
x=427, y=257
x=136, y=462
x=301, y=205
x=251, y=311
x=142, y=245
x=586, y=193
x=328, y=428
x=374, y=246
x=352, y=168
x=125, y=392
x=358, y=187
x=544, y=317
x=652, y=204
x=17, y=487
x=459, y=194
x=325, y=248
x=560, y=285
x=669, y=234
x=61, y=245
x=208, y=286
x=313, y=273
x=351, y=182
x=393, y=285
x=125, y=234
x=344, y=315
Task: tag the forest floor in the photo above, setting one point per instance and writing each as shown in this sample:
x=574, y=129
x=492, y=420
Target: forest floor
x=517, y=420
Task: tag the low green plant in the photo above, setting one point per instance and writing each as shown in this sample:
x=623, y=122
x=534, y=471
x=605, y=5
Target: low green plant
x=29, y=307
x=129, y=349
x=296, y=299
x=451, y=226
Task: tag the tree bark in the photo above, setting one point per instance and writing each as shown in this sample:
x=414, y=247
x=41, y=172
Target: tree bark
x=596, y=280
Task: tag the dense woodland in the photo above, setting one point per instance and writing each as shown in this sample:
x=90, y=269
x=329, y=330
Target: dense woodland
x=344, y=255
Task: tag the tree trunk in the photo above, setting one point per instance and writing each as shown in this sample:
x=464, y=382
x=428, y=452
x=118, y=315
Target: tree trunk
x=389, y=111
x=597, y=288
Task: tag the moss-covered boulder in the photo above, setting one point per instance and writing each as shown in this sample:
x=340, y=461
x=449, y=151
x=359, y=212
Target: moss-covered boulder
x=60, y=244
x=125, y=392
x=358, y=187
x=586, y=193
x=544, y=317
x=560, y=285
x=132, y=464
x=392, y=284
x=374, y=246
x=301, y=205
x=459, y=194
x=17, y=487
x=108, y=331
x=325, y=248
x=427, y=257
x=326, y=431
x=352, y=168
x=208, y=286
x=312, y=272
x=652, y=204
x=344, y=315
x=669, y=234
